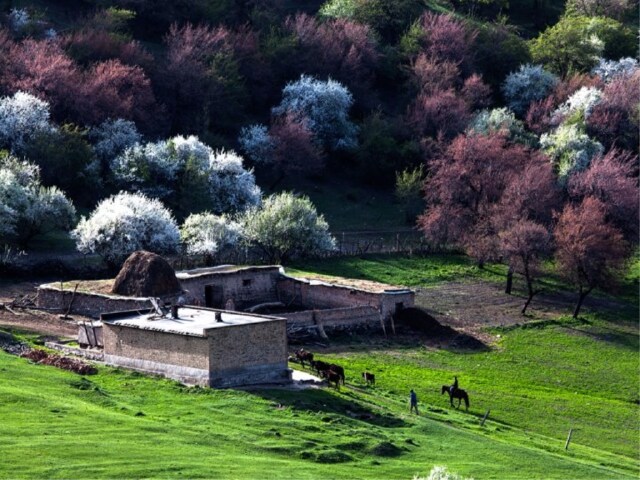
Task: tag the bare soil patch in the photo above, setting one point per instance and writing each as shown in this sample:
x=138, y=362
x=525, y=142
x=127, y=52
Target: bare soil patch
x=38, y=321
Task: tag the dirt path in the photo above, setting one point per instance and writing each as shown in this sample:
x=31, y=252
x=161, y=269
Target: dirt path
x=33, y=320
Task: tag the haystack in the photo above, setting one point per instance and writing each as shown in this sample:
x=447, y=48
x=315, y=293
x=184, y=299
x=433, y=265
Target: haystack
x=145, y=274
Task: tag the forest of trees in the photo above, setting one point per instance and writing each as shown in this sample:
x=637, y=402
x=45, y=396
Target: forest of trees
x=512, y=142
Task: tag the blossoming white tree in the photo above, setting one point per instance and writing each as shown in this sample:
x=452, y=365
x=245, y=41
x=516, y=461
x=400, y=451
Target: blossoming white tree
x=124, y=223
x=570, y=150
x=188, y=173
x=286, y=227
x=26, y=208
x=529, y=83
x=112, y=137
x=22, y=118
x=326, y=104
x=209, y=235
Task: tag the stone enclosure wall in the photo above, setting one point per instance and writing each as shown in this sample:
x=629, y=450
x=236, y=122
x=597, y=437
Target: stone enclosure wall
x=85, y=303
x=247, y=286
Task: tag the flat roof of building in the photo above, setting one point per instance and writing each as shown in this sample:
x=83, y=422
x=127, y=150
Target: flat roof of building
x=194, y=321
x=223, y=269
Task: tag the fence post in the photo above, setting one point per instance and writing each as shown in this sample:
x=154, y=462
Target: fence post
x=484, y=418
x=566, y=445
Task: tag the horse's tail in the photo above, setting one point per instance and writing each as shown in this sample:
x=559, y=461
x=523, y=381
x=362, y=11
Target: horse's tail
x=466, y=400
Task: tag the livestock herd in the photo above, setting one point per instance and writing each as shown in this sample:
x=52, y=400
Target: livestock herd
x=334, y=374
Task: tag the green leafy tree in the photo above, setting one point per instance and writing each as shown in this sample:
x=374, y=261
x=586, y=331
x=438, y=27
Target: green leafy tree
x=287, y=227
x=409, y=185
x=575, y=43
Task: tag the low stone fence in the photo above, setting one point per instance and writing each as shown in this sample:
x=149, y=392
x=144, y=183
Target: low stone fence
x=333, y=319
x=85, y=303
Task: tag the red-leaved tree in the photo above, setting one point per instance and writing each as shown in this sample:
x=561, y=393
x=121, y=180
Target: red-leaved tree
x=340, y=48
x=523, y=245
x=295, y=151
x=442, y=113
x=612, y=179
x=464, y=191
x=114, y=90
x=590, y=252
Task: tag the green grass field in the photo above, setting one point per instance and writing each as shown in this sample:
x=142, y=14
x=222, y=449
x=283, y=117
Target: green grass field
x=538, y=381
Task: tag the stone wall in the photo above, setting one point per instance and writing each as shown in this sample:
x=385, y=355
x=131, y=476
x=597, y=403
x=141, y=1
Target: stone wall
x=87, y=304
x=161, y=347
x=334, y=318
x=247, y=286
x=323, y=296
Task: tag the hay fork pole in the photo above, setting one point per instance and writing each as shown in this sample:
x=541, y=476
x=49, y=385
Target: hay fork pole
x=73, y=296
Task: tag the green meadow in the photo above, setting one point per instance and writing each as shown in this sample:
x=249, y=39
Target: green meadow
x=537, y=380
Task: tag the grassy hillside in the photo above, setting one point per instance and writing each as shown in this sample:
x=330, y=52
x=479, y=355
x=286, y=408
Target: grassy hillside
x=538, y=380
x=122, y=425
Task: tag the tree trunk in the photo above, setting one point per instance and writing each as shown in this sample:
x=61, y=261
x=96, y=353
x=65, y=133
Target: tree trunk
x=582, y=294
x=507, y=290
x=530, y=291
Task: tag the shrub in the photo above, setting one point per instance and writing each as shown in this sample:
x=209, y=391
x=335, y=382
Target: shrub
x=124, y=223
x=287, y=227
x=26, y=208
x=580, y=104
x=439, y=472
x=529, y=83
x=326, y=104
x=256, y=142
x=112, y=137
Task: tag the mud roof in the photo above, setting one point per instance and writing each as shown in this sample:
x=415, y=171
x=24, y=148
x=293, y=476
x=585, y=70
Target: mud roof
x=192, y=321
x=224, y=270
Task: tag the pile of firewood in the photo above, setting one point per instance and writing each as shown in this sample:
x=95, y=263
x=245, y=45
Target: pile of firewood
x=59, y=361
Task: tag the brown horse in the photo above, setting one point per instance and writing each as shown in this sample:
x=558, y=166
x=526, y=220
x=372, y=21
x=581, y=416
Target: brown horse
x=456, y=393
x=304, y=356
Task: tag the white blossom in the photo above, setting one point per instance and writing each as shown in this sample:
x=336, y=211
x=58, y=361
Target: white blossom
x=113, y=137
x=124, y=223
x=570, y=150
x=326, y=104
x=529, y=83
x=256, y=142
x=208, y=234
x=22, y=117
x=608, y=70
x=501, y=120
x=19, y=19
x=27, y=208
x=582, y=100
x=286, y=227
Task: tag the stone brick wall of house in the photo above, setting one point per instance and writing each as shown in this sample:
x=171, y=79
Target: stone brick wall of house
x=248, y=345
x=246, y=287
x=159, y=347
x=88, y=304
x=331, y=296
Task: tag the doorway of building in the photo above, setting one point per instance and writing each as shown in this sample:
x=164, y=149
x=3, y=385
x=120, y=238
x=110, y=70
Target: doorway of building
x=213, y=296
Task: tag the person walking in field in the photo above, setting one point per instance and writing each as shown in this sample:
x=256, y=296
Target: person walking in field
x=413, y=402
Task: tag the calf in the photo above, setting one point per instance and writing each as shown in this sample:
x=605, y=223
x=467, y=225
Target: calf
x=370, y=378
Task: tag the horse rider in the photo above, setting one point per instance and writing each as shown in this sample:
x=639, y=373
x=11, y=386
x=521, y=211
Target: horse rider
x=454, y=387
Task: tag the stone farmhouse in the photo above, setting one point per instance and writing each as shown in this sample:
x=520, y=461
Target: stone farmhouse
x=229, y=325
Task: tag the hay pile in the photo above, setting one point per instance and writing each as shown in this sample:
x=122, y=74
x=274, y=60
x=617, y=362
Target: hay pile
x=145, y=274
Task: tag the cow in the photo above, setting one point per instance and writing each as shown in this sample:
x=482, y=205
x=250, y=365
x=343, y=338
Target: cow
x=337, y=369
x=319, y=365
x=369, y=378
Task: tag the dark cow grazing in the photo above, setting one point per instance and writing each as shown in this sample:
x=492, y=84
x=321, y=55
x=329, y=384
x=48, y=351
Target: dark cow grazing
x=319, y=365
x=339, y=370
x=370, y=378
x=332, y=377
x=304, y=356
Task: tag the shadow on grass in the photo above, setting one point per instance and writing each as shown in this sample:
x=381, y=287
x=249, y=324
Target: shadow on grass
x=333, y=408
